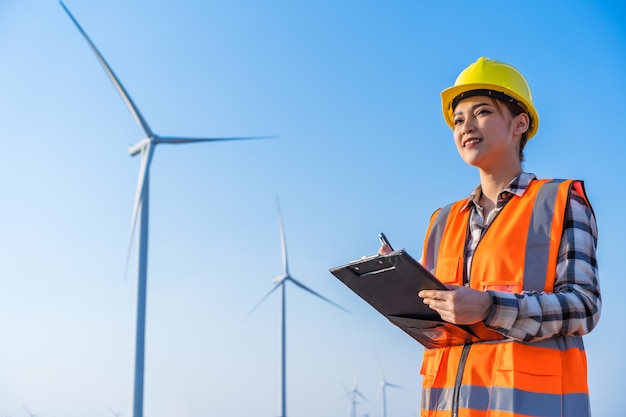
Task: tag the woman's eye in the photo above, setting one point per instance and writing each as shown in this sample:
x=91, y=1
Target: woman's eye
x=458, y=121
x=482, y=111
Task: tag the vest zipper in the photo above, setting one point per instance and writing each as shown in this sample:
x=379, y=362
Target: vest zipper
x=456, y=393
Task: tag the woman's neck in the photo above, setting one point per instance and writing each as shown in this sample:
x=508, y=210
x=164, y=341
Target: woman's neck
x=493, y=183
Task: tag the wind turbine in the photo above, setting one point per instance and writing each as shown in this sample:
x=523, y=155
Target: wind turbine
x=146, y=148
x=383, y=387
x=354, y=394
x=280, y=282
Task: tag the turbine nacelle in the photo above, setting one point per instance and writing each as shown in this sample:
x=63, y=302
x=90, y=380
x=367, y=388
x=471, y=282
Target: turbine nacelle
x=280, y=279
x=139, y=147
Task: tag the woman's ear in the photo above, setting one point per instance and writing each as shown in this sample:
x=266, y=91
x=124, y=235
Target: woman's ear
x=521, y=123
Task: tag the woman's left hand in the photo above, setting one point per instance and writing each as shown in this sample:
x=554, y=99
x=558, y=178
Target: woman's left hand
x=459, y=305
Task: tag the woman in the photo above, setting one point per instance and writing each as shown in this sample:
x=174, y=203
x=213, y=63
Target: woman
x=519, y=255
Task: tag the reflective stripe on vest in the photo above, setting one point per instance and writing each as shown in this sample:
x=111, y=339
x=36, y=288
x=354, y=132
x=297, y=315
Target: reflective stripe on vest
x=507, y=400
x=536, y=266
x=434, y=237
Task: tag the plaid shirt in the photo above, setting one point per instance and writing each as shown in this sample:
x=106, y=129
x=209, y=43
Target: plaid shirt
x=574, y=306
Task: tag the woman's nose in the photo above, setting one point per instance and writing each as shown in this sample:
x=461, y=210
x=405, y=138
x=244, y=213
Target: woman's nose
x=467, y=127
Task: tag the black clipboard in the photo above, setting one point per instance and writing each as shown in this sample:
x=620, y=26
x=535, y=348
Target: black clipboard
x=390, y=284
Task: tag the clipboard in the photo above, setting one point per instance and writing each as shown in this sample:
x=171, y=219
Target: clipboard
x=390, y=284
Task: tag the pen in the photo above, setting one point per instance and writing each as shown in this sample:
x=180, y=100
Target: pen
x=384, y=241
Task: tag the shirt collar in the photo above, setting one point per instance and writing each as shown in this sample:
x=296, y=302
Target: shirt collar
x=517, y=186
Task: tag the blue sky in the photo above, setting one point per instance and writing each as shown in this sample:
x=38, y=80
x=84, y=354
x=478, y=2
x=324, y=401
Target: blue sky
x=352, y=89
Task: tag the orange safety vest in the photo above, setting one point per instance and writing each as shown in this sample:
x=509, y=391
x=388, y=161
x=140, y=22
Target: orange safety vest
x=518, y=252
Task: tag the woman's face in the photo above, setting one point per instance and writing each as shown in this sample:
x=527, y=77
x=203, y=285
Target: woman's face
x=486, y=135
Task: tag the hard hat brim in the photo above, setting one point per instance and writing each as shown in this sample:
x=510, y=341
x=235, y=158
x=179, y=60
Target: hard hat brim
x=449, y=94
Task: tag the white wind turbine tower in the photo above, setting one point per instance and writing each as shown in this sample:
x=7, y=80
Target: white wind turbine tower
x=146, y=148
x=280, y=281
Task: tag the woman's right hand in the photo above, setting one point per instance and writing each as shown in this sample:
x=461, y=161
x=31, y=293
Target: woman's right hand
x=385, y=249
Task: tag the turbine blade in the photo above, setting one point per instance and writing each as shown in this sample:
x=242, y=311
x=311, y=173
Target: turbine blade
x=144, y=171
x=304, y=287
x=280, y=278
x=382, y=371
x=283, y=243
x=115, y=413
x=379, y=392
x=30, y=413
x=264, y=297
x=116, y=82
x=175, y=140
x=358, y=393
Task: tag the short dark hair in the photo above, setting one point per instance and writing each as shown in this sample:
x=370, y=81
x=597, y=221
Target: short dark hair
x=515, y=110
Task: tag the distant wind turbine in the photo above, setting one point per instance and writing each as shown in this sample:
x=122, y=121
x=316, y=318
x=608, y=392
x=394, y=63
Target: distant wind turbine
x=146, y=148
x=383, y=387
x=354, y=395
x=280, y=281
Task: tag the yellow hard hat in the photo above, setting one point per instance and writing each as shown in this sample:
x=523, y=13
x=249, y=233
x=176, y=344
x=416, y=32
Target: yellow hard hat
x=488, y=77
